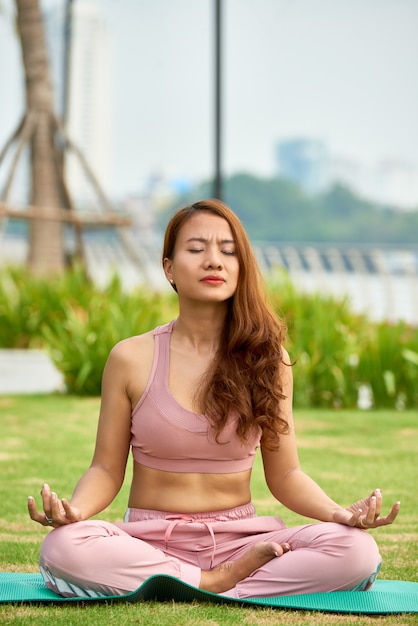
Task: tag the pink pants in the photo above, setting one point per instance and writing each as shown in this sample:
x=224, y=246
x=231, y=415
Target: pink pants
x=96, y=558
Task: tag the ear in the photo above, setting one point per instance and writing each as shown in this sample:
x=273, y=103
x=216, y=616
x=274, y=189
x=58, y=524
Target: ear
x=168, y=268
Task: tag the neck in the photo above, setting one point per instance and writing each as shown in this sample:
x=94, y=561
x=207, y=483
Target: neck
x=201, y=330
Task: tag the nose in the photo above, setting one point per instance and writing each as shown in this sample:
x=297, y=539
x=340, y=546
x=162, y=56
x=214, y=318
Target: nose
x=213, y=260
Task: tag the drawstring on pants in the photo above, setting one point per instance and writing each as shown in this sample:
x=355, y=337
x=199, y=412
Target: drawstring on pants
x=186, y=519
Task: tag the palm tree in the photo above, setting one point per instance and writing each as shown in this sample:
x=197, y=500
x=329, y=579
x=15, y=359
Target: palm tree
x=37, y=129
x=51, y=204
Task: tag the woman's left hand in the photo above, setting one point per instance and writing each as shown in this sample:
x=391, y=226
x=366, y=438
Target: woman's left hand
x=366, y=513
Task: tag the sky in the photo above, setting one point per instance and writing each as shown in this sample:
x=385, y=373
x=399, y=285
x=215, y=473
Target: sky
x=342, y=71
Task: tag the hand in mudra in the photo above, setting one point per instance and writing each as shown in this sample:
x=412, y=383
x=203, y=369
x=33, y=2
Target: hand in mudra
x=56, y=511
x=366, y=513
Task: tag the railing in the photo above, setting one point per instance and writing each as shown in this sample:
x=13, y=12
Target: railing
x=381, y=281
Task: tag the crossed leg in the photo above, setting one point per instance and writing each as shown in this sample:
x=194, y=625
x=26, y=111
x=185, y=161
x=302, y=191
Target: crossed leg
x=228, y=574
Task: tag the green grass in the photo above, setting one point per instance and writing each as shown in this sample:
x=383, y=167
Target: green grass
x=51, y=438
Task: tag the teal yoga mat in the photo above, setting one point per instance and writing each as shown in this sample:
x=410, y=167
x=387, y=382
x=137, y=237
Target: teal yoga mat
x=386, y=596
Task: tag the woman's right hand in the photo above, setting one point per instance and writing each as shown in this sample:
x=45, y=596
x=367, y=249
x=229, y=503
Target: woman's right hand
x=56, y=512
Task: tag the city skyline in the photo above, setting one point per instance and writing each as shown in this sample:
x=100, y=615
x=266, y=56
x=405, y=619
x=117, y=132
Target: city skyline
x=340, y=73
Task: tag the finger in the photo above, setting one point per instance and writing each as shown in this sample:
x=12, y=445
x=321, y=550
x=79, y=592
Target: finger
x=61, y=510
x=33, y=513
x=45, y=491
x=56, y=512
x=371, y=515
x=361, y=519
x=389, y=519
x=282, y=549
x=355, y=518
x=69, y=513
x=46, y=499
x=378, y=495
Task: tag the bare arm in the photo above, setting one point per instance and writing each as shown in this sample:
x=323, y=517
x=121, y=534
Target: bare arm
x=102, y=481
x=297, y=491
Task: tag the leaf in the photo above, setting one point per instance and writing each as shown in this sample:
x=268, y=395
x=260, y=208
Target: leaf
x=390, y=382
x=410, y=356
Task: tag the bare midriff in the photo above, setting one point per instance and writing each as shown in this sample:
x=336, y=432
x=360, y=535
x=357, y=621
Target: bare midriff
x=188, y=493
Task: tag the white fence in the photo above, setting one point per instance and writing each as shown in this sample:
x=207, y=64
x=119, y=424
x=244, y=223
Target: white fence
x=380, y=281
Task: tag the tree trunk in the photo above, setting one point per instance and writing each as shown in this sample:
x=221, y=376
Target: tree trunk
x=46, y=236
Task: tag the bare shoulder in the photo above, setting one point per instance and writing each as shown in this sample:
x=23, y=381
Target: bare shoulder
x=285, y=356
x=130, y=363
x=286, y=363
x=133, y=348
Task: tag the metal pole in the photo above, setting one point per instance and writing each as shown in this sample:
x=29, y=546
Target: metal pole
x=217, y=186
x=66, y=60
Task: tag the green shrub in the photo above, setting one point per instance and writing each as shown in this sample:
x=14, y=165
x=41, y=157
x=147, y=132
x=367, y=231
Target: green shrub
x=76, y=322
x=24, y=305
x=80, y=345
x=322, y=341
x=335, y=350
x=389, y=364
x=28, y=303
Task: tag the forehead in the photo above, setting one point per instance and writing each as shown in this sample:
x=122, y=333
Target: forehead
x=205, y=226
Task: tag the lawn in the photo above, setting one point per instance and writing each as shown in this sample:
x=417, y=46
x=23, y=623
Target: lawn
x=51, y=439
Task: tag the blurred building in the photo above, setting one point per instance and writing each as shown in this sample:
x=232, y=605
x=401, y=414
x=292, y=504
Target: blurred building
x=88, y=101
x=389, y=182
x=308, y=163
x=395, y=183
x=305, y=162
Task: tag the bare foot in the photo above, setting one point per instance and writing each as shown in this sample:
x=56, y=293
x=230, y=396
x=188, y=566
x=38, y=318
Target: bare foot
x=226, y=575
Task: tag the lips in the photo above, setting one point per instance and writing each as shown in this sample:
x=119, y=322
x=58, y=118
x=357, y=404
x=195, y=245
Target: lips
x=213, y=280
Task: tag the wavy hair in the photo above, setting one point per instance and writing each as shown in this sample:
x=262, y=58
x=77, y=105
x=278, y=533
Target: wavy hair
x=244, y=378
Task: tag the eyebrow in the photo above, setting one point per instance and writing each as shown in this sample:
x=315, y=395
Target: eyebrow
x=203, y=240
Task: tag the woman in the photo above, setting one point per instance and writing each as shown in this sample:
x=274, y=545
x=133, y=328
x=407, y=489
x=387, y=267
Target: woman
x=194, y=399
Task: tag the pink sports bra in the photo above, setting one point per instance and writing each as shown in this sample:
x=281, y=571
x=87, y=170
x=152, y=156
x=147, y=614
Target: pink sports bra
x=168, y=437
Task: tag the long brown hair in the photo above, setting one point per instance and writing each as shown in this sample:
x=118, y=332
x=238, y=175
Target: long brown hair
x=245, y=376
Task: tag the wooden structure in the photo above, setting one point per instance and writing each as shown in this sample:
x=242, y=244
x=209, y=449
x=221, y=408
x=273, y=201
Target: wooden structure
x=42, y=134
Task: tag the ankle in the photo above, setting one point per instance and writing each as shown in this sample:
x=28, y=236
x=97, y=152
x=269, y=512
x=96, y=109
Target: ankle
x=218, y=579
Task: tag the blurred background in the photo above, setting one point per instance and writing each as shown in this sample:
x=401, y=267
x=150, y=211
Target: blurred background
x=300, y=114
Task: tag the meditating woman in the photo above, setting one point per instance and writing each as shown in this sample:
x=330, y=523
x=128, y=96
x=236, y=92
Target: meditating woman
x=194, y=399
